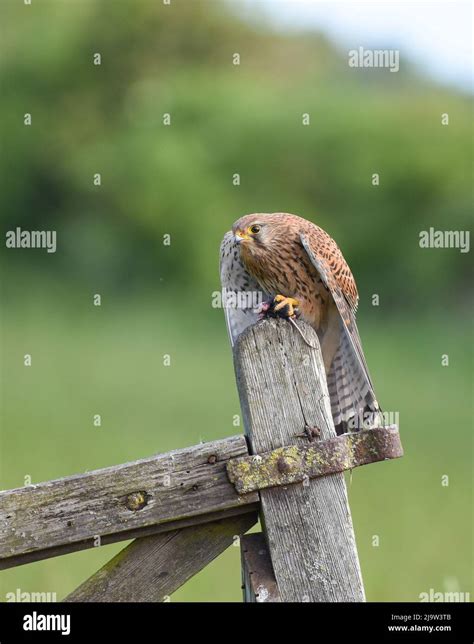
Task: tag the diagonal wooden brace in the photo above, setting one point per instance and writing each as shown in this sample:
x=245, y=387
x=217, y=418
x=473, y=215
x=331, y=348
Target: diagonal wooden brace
x=297, y=463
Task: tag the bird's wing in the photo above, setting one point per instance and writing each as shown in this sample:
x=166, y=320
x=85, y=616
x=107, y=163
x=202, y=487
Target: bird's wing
x=349, y=382
x=327, y=264
x=241, y=292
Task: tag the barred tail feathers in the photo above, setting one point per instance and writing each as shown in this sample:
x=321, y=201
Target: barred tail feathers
x=353, y=402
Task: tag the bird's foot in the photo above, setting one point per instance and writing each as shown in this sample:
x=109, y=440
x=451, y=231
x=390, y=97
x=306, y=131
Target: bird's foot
x=279, y=307
x=283, y=307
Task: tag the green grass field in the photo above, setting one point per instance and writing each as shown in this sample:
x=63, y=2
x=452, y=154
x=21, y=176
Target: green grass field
x=108, y=360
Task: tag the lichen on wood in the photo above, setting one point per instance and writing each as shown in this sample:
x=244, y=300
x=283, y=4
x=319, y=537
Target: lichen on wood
x=297, y=463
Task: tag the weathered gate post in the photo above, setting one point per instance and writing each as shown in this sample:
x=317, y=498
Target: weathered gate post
x=307, y=525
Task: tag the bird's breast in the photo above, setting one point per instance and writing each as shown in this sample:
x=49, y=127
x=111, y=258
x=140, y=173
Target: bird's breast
x=290, y=274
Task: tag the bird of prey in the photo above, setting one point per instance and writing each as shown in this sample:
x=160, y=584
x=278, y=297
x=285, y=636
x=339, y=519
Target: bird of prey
x=300, y=271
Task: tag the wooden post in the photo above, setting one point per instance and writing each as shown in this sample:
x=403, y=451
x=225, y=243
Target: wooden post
x=308, y=526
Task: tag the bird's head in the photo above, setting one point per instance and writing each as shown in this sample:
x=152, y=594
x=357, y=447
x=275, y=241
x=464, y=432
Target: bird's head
x=259, y=232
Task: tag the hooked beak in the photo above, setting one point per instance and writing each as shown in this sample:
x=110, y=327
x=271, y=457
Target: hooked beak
x=240, y=237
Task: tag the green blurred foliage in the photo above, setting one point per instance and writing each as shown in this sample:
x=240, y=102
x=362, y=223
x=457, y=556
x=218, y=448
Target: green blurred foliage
x=177, y=180
x=225, y=119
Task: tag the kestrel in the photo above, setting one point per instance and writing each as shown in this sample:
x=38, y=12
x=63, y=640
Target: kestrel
x=300, y=270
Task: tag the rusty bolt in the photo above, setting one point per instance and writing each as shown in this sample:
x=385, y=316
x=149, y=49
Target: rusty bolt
x=314, y=432
x=136, y=501
x=212, y=459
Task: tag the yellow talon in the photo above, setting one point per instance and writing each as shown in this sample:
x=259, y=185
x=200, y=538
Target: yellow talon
x=287, y=303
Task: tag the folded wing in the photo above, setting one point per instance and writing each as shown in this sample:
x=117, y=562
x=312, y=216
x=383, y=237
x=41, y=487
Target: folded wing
x=353, y=400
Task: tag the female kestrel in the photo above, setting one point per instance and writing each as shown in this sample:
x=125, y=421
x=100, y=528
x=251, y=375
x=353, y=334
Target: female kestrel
x=300, y=270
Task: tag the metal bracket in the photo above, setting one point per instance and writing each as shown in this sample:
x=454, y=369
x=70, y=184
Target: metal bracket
x=297, y=463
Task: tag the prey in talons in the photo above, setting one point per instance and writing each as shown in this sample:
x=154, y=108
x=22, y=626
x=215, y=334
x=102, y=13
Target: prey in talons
x=282, y=307
x=279, y=307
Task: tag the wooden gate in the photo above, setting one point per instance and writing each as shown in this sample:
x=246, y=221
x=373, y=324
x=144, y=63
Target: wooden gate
x=185, y=507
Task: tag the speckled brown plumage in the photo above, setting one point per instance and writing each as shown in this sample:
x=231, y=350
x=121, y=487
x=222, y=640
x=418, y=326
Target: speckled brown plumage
x=281, y=253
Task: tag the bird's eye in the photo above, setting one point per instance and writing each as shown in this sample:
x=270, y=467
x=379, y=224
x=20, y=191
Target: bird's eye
x=254, y=229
